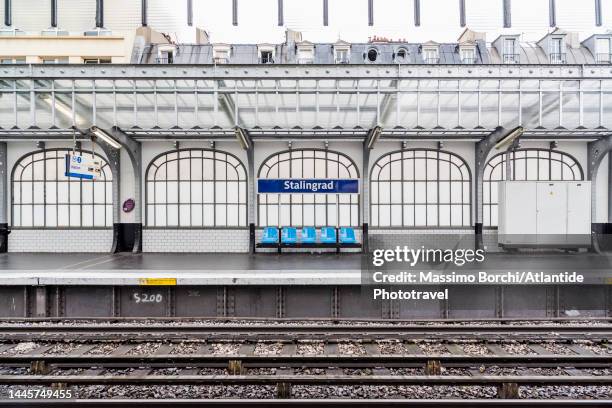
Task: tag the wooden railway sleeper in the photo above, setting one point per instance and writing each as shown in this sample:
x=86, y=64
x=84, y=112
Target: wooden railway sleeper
x=235, y=367
x=39, y=367
x=283, y=390
x=508, y=391
x=433, y=367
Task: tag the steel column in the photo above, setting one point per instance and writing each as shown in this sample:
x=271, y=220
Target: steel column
x=507, y=14
x=281, y=13
x=235, y=12
x=552, y=13
x=370, y=12
x=598, y=19
x=597, y=150
x=189, y=13
x=99, y=13
x=462, y=13
x=143, y=13
x=482, y=150
x=134, y=151
x=4, y=197
x=325, y=12
x=417, y=12
x=53, y=13
x=8, y=13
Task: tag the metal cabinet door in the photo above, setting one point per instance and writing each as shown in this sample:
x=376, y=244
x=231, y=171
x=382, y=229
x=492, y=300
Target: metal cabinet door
x=551, y=208
x=520, y=208
x=579, y=208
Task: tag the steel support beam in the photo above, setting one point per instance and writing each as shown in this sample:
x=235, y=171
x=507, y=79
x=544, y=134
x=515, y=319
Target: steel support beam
x=507, y=14
x=482, y=150
x=134, y=152
x=325, y=12
x=281, y=13
x=552, y=13
x=143, y=13
x=370, y=12
x=598, y=19
x=99, y=13
x=4, y=197
x=462, y=13
x=8, y=13
x=53, y=13
x=235, y=12
x=190, y=13
x=417, y=12
x=597, y=150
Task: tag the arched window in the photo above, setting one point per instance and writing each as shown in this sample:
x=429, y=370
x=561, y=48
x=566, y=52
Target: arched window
x=42, y=196
x=525, y=164
x=196, y=188
x=308, y=209
x=420, y=188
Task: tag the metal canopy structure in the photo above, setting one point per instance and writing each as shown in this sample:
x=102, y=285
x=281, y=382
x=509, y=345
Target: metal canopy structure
x=313, y=102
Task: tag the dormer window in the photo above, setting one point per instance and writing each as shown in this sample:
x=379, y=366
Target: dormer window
x=557, y=51
x=305, y=53
x=603, y=50
x=431, y=55
x=467, y=53
x=372, y=55
x=401, y=55
x=266, y=54
x=221, y=54
x=342, y=53
x=509, y=51
x=165, y=54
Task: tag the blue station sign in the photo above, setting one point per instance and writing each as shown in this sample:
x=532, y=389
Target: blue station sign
x=308, y=186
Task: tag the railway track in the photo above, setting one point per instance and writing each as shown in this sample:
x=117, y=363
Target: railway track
x=499, y=362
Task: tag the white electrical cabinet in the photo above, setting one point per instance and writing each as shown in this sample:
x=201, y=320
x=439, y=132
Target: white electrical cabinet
x=544, y=214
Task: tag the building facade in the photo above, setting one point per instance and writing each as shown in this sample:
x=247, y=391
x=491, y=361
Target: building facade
x=190, y=128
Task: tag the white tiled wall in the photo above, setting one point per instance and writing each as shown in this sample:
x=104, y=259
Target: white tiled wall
x=195, y=240
x=61, y=240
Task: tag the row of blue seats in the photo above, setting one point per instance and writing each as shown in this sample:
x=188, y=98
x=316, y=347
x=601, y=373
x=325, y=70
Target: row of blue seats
x=309, y=235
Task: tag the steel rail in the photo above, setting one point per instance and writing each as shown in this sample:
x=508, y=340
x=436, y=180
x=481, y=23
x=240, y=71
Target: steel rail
x=307, y=403
x=385, y=360
x=304, y=380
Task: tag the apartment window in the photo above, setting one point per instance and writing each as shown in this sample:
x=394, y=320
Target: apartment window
x=401, y=55
x=557, y=54
x=528, y=165
x=372, y=55
x=165, y=57
x=308, y=209
x=342, y=56
x=42, y=196
x=468, y=55
x=96, y=60
x=196, y=188
x=266, y=57
x=221, y=55
x=431, y=56
x=602, y=50
x=12, y=60
x=420, y=188
x=55, y=60
x=509, y=51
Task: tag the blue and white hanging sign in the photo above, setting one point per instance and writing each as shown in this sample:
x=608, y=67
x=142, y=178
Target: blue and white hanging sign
x=83, y=167
x=308, y=186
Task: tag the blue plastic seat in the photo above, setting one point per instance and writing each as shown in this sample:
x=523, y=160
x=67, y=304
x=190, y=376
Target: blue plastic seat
x=347, y=235
x=270, y=235
x=289, y=235
x=328, y=235
x=309, y=235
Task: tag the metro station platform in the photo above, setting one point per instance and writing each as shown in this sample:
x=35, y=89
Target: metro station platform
x=259, y=269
